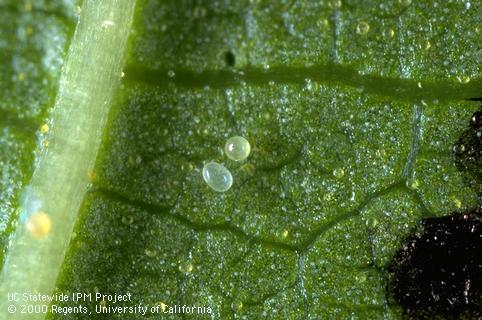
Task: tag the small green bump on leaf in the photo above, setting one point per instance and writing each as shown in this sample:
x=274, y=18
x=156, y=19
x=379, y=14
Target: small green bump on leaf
x=150, y=253
x=334, y=4
x=405, y=2
x=339, y=173
x=217, y=177
x=237, y=306
x=413, y=184
x=186, y=267
x=362, y=28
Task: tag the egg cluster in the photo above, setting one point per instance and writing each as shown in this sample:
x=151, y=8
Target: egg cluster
x=217, y=176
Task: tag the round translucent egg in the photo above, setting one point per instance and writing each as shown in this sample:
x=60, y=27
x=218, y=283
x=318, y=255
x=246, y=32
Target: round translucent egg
x=237, y=148
x=217, y=177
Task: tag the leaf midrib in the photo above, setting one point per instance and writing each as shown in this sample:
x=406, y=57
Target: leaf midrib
x=90, y=76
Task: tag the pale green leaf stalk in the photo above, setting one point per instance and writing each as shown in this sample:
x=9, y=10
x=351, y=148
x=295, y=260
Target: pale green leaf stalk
x=91, y=73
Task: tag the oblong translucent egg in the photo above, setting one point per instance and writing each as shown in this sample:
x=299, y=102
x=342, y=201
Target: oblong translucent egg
x=217, y=176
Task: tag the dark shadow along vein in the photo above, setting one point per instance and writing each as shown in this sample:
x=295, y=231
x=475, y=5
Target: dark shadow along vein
x=333, y=74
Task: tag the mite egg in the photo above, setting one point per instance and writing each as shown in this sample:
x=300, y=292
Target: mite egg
x=39, y=224
x=217, y=177
x=237, y=148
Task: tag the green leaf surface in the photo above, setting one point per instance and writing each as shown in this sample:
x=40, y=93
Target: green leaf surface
x=351, y=109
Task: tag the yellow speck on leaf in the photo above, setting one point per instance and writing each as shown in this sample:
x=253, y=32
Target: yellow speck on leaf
x=39, y=224
x=163, y=306
x=415, y=184
x=27, y=7
x=44, y=129
x=237, y=306
x=457, y=202
x=284, y=234
x=103, y=303
x=186, y=267
x=91, y=175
